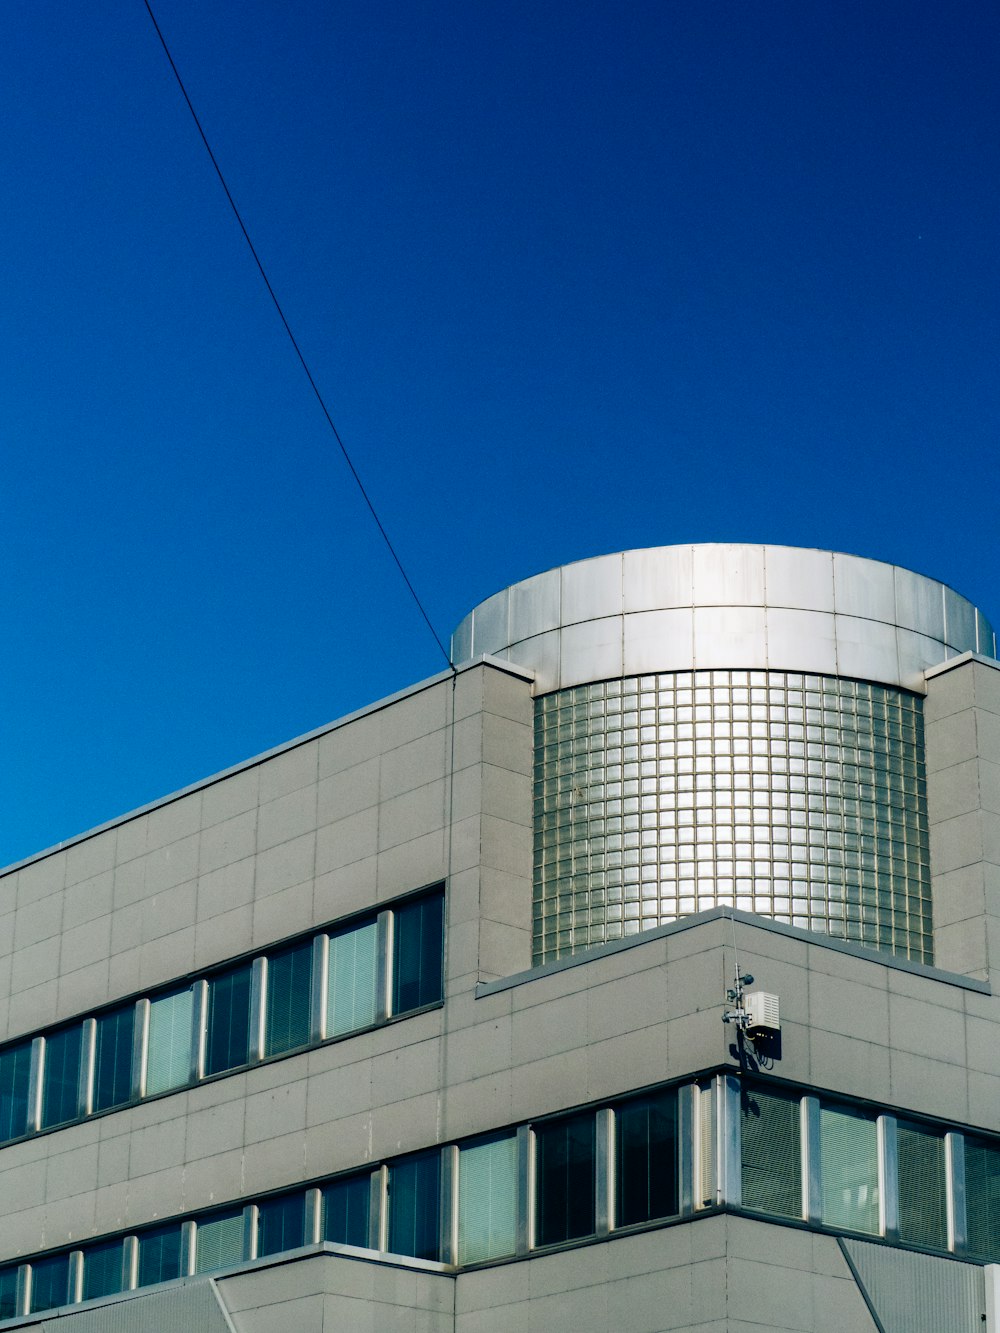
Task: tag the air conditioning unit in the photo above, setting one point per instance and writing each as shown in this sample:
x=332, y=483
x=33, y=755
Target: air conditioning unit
x=762, y=1012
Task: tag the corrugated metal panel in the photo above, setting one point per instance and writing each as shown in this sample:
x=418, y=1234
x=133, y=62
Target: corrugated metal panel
x=918, y=1293
x=192, y=1307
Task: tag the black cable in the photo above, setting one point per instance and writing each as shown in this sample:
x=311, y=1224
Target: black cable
x=292, y=339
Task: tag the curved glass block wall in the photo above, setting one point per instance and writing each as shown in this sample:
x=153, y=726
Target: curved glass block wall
x=800, y=797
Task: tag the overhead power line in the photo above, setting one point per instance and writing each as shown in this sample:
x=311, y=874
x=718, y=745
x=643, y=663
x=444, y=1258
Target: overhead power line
x=294, y=341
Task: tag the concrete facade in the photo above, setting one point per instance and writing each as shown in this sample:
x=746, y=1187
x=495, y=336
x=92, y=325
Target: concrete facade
x=434, y=787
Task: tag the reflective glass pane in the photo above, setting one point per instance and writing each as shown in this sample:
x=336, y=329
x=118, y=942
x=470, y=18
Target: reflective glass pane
x=849, y=1169
x=346, y=1204
x=113, y=1058
x=219, y=1241
x=415, y=1206
x=289, y=983
x=168, y=1060
x=227, y=1044
x=102, y=1269
x=351, y=980
x=418, y=943
x=15, y=1068
x=281, y=1224
x=487, y=1199
x=61, y=1081
x=646, y=1158
x=772, y=1160
x=159, y=1254
x=49, y=1282
x=564, y=1179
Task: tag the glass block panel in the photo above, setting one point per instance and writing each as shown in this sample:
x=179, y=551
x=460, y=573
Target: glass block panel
x=564, y=1179
x=418, y=953
x=646, y=1158
x=289, y=985
x=228, y=1040
x=113, y=1044
x=168, y=1058
x=8, y=1292
x=61, y=1081
x=49, y=1282
x=487, y=1199
x=982, y=1198
x=281, y=1223
x=219, y=1241
x=771, y=1147
x=103, y=1270
x=923, y=1209
x=351, y=979
x=849, y=1169
x=346, y=1205
x=15, y=1068
x=415, y=1206
x=159, y=1254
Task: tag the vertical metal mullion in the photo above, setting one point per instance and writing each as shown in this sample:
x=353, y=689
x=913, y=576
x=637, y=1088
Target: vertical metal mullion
x=448, y=1240
x=686, y=1148
x=189, y=1247
x=74, y=1293
x=140, y=1048
x=730, y=1182
x=812, y=1177
x=314, y=1217
x=130, y=1263
x=954, y=1165
x=378, y=1218
x=887, y=1139
x=525, y=1173
x=251, y=1228
x=385, y=933
x=603, y=1158
x=23, y=1297
x=36, y=1073
x=88, y=1046
x=320, y=983
x=706, y=1174
x=258, y=1008
x=199, y=1029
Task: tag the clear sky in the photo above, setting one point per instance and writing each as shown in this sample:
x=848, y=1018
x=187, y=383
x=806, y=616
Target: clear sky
x=573, y=278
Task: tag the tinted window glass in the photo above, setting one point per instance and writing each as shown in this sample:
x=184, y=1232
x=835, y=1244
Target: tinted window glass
x=414, y=1206
x=8, y=1292
x=487, y=1199
x=564, y=1179
x=102, y=1269
x=61, y=1083
x=289, y=982
x=646, y=1152
x=228, y=1044
x=49, y=1282
x=345, y=1210
x=417, y=953
x=168, y=1061
x=982, y=1198
x=281, y=1224
x=15, y=1067
x=351, y=980
x=159, y=1254
x=113, y=1058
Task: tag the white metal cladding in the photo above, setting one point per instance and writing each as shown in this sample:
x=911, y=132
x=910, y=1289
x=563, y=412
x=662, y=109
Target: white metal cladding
x=188, y=1307
x=918, y=1293
x=723, y=606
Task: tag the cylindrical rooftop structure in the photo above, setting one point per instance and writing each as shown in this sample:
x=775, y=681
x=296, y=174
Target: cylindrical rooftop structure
x=729, y=724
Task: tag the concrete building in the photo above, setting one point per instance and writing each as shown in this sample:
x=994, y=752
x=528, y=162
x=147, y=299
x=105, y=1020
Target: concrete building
x=415, y=1023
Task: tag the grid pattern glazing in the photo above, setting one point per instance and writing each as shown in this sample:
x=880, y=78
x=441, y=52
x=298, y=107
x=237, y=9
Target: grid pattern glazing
x=800, y=797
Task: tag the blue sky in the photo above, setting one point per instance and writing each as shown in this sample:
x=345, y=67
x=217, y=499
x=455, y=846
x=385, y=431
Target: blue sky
x=572, y=278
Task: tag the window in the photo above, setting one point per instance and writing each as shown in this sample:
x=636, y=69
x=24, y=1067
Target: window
x=487, y=1199
x=289, y=986
x=15, y=1071
x=159, y=1254
x=772, y=1158
x=49, y=1283
x=103, y=1269
x=646, y=1158
x=168, y=1057
x=113, y=1058
x=848, y=1148
x=351, y=980
x=281, y=1224
x=61, y=1082
x=8, y=1292
x=982, y=1198
x=417, y=953
x=346, y=1205
x=415, y=1206
x=923, y=1208
x=228, y=1039
x=220, y=1241
x=564, y=1179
